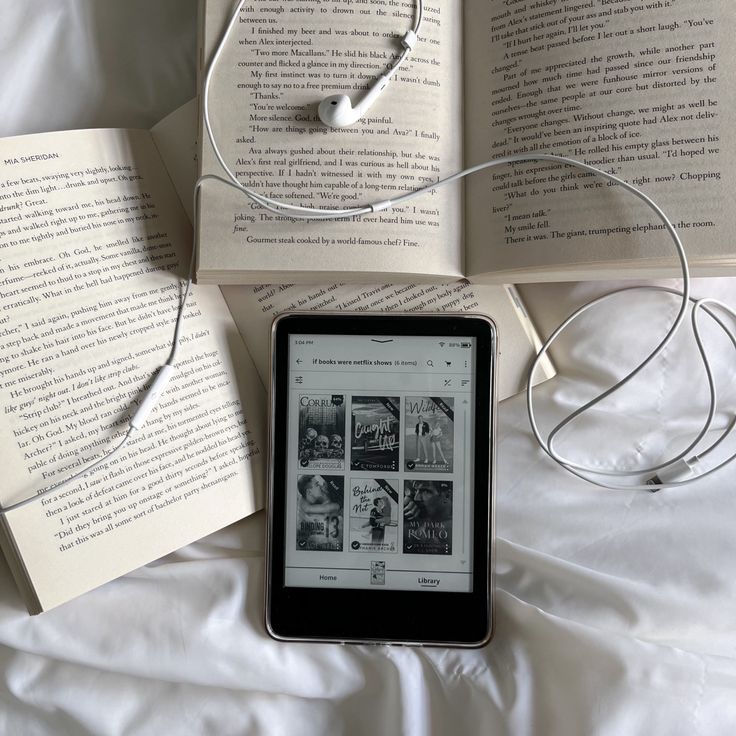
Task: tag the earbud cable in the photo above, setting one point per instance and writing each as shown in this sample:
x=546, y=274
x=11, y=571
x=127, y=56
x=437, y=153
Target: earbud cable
x=679, y=462
x=148, y=401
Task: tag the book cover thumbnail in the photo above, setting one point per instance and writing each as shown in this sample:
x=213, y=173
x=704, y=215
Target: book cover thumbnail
x=429, y=434
x=319, y=515
x=375, y=434
x=427, y=517
x=374, y=515
x=322, y=431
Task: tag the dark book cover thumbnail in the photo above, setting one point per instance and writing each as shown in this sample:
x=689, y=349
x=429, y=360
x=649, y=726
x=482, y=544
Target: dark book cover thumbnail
x=322, y=431
x=319, y=516
x=375, y=434
x=427, y=517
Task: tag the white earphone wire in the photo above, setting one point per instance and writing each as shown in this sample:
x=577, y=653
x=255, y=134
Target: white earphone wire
x=309, y=213
x=154, y=392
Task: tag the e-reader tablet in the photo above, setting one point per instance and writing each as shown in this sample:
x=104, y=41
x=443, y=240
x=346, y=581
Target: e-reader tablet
x=381, y=478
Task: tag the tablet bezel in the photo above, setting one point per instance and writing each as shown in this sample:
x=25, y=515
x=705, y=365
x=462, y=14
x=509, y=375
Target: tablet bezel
x=361, y=615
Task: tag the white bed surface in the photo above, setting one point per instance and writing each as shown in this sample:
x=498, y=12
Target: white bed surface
x=614, y=612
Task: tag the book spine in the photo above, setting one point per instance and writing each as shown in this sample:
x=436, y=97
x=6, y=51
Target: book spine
x=17, y=568
x=200, y=80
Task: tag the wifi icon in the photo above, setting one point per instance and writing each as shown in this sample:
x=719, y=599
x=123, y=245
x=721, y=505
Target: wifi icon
x=442, y=344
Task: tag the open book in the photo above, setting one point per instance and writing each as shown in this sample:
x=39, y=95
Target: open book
x=641, y=90
x=94, y=243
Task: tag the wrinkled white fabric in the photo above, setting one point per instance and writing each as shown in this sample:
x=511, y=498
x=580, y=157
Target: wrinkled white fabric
x=94, y=63
x=614, y=612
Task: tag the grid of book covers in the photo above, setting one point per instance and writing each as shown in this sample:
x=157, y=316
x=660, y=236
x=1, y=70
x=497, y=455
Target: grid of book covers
x=375, y=475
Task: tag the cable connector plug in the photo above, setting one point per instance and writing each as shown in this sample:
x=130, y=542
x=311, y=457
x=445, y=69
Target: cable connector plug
x=674, y=473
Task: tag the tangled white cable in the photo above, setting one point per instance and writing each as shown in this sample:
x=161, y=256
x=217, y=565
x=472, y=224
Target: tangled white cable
x=672, y=472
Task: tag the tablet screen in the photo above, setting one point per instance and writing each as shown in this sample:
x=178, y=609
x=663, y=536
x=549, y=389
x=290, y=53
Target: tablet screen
x=380, y=460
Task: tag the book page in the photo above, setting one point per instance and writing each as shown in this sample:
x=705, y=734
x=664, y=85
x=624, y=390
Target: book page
x=642, y=90
x=281, y=60
x=254, y=307
x=93, y=248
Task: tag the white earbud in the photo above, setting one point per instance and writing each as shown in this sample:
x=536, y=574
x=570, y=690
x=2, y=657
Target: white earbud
x=337, y=111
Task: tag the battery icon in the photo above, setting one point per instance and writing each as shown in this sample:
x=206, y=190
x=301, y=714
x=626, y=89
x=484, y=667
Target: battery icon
x=465, y=345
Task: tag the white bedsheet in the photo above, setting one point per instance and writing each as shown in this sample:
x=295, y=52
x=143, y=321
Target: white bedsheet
x=615, y=611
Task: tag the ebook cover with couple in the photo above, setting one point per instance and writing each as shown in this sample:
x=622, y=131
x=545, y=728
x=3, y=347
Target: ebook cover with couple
x=429, y=434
